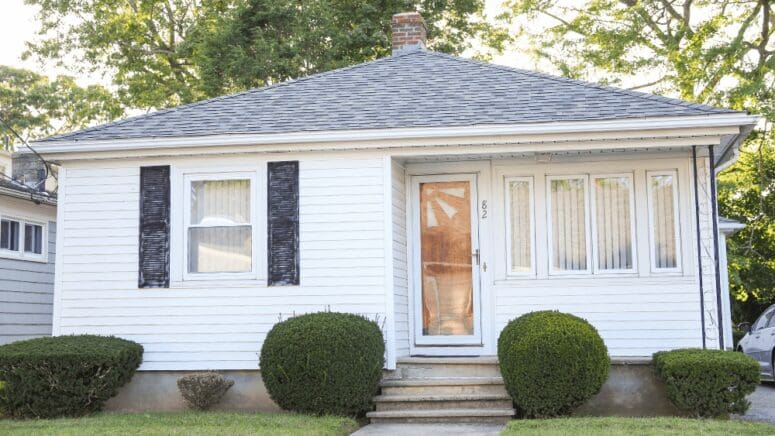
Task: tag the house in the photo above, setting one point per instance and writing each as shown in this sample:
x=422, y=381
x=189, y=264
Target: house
x=441, y=196
x=27, y=249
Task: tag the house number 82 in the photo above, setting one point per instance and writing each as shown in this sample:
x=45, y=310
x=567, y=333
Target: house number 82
x=484, y=209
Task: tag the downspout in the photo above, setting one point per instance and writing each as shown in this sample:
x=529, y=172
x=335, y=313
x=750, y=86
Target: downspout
x=699, y=244
x=714, y=211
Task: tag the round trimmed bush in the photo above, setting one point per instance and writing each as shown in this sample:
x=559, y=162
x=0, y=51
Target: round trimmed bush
x=323, y=363
x=64, y=375
x=708, y=383
x=551, y=363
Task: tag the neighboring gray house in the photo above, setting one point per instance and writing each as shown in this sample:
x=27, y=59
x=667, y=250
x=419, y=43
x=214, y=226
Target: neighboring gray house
x=27, y=246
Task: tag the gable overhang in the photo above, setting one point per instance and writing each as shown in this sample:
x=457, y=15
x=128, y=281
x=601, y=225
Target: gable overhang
x=727, y=130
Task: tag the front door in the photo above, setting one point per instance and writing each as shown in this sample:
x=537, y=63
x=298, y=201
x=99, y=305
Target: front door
x=446, y=261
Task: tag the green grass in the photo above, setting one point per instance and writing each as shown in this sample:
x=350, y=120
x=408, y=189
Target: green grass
x=184, y=423
x=635, y=426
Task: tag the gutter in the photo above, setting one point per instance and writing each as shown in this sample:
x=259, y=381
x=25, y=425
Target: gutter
x=35, y=198
x=339, y=136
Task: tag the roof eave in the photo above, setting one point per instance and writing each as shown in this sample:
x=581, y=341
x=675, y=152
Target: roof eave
x=29, y=196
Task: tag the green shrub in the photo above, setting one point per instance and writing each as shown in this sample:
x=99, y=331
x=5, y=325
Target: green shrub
x=707, y=383
x=64, y=375
x=323, y=363
x=551, y=363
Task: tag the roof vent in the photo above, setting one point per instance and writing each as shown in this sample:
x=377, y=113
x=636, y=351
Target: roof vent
x=409, y=31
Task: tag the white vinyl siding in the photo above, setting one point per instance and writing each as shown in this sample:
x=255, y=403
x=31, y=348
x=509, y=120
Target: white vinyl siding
x=199, y=325
x=400, y=266
x=613, y=226
x=520, y=229
x=568, y=208
x=663, y=221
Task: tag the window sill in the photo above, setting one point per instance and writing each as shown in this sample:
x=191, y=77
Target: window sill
x=211, y=283
x=15, y=255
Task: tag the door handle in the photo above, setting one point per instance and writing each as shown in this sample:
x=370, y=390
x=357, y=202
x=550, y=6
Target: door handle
x=475, y=254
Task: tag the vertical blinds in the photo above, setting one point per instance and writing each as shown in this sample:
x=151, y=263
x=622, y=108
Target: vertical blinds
x=662, y=189
x=613, y=223
x=568, y=224
x=521, y=225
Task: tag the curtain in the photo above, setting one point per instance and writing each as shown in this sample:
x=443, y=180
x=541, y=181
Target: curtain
x=663, y=220
x=220, y=239
x=569, y=244
x=613, y=223
x=520, y=221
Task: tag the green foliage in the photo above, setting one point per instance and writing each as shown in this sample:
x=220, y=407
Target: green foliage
x=323, y=363
x=551, y=363
x=619, y=426
x=707, y=383
x=36, y=107
x=64, y=375
x=166, y=52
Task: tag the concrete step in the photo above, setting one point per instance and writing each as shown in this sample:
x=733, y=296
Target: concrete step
x=421, y=367
x=428, y=402
x=444, y=386
x=442, y=415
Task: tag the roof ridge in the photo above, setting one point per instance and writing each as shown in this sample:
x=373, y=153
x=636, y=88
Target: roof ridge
x=642, y=95
x=228, y=96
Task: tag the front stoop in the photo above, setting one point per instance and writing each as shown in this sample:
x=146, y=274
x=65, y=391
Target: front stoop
x=444, y=390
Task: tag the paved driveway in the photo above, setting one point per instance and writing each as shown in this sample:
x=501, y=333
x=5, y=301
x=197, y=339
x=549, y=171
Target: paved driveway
x=762, y=404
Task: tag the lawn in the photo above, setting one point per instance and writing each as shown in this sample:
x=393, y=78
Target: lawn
x=184, y=423
x=638, y=426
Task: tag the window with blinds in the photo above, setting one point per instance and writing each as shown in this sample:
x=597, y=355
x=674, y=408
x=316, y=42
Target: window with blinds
x=568, y=224
x=613, y=223
x=663, y=220
x=519, y=198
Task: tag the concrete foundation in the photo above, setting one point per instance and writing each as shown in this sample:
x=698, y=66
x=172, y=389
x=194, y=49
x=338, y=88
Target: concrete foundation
x=632, y=389
x=158, y=391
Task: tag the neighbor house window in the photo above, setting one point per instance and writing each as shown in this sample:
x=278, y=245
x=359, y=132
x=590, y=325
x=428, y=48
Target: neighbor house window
x=613, y=229
x=568, y=218
x=33, y=238
x=219, y=224
x=663, y=220
x=519, y=198
x=9, y=235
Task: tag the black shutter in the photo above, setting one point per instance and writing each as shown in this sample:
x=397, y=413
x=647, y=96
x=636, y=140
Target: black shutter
x=283, y=223
x=154, y=227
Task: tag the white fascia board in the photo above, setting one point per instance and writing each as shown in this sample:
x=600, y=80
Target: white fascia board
x=342, y=136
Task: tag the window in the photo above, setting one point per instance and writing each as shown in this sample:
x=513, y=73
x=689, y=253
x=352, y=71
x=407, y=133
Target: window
x=663, y=220
x=613, y=223
x=567, y=204
x=765, y=320
x=33, y=238
x=519, y=198
x=9, y=235
x=219, y=224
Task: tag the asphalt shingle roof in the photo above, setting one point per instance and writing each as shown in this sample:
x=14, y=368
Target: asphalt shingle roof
x=415, y=88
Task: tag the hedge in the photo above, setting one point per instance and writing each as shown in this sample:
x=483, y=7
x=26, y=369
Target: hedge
x=64, y=375
x=707, y=383
x=323, y=363
x=551, y=363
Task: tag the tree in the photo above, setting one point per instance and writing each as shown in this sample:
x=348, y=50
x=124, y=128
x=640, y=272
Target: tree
x=163, y=53
x=709, y=51
x=34, y=106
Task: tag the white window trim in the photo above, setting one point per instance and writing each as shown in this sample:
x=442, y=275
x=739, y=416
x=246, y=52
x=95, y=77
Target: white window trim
x=550, y=246
x=676, y=220
x=531, y=188
x=257, y=256
x=593, y=223
x=21, y=254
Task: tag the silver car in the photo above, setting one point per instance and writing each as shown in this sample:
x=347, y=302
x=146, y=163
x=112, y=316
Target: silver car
x=759, y=342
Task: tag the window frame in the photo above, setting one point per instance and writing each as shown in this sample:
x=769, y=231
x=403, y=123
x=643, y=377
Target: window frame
x=676, y=219
x=551, y=270
x=256, y=255
x=593, y=223
x=21, y=254
x=531, y=193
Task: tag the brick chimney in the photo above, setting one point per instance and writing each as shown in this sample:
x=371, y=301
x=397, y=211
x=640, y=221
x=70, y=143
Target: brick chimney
x=408, y=30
